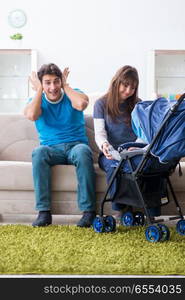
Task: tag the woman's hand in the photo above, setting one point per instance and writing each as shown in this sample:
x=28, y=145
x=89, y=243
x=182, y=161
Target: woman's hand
x=105, y=150
x=35, y=82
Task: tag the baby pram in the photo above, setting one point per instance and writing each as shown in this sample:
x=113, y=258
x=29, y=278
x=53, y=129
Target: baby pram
x=140, y=174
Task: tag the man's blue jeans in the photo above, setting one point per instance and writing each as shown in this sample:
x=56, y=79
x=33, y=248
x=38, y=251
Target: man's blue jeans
x=75, y=153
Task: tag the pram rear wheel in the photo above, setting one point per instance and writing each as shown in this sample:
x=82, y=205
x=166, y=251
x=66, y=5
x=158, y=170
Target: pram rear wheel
x=165, y=232
x=139, y=218
x=110, y=224
x=180, y=227
x=127, y=219
x=153, y=233
x=99, y=224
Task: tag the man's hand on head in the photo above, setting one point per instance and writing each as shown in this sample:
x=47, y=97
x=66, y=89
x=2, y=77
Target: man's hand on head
x=35, y=82
x=65, y=74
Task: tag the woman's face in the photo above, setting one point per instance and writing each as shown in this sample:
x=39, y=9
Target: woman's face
x=125, y=91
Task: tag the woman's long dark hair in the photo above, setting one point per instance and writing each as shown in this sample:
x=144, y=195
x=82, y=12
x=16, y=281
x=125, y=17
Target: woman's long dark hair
x=126, y=75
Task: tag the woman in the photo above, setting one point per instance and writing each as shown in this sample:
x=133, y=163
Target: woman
x=112, y=121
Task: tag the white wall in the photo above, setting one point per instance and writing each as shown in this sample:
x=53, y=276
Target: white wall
x=96, y=37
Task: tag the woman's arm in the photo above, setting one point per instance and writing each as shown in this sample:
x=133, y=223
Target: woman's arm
x=100, y=133
x=99, y=129
x=101, y=137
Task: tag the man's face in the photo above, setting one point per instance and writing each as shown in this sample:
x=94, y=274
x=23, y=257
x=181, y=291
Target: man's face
x=52, y=87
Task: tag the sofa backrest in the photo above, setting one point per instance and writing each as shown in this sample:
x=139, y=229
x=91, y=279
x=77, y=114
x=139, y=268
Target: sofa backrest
x=90, y=133
x=18, y=137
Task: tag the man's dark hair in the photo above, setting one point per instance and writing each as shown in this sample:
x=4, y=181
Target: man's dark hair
x=49, y=69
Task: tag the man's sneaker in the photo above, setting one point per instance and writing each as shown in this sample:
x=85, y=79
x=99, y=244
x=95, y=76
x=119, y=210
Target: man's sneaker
x=87, y=219
x=44, y=219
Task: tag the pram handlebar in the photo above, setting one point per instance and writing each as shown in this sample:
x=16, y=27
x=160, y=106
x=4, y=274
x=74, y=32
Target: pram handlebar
x=128, y=154
x=122, y=149
x=131, y=144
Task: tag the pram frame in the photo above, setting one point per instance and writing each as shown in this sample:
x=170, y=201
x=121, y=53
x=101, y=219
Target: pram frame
x=138, y=172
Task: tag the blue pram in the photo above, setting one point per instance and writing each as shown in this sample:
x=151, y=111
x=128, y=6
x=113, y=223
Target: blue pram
x=142, y=175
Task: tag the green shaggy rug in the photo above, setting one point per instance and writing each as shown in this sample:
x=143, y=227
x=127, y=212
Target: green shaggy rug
x=71, y=250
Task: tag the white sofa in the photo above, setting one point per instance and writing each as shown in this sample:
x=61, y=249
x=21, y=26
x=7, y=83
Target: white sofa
x=18, y=137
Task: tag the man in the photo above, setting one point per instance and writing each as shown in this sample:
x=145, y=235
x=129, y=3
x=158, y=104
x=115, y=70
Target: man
x=57, y=110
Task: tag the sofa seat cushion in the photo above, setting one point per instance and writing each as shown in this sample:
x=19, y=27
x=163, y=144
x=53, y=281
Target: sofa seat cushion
x=17, y=175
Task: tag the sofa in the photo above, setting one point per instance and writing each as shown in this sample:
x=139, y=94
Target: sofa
x=18, y=137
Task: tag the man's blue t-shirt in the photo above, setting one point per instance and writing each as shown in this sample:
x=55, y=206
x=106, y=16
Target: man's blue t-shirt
x=60, y=122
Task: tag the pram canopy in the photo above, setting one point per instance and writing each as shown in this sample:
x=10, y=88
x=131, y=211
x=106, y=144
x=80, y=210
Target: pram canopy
x=147, y=117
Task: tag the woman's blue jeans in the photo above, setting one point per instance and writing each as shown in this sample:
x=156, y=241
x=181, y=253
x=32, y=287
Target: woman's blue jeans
x=75, y=153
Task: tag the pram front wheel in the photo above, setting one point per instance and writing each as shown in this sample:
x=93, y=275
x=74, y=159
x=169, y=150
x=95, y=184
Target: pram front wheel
x=127, y=219
x=153, y=233
x=110, y=224
x=165, y=232
x=180, y=227
x=99, y=224
x=139, y=218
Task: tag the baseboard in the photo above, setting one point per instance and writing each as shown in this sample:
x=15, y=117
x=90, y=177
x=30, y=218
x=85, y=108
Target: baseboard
x=28, y=219
x=59, y=219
